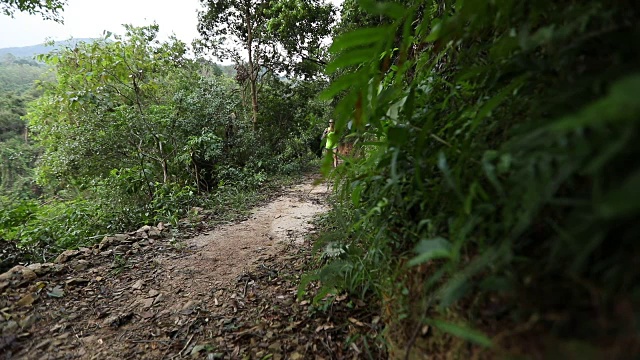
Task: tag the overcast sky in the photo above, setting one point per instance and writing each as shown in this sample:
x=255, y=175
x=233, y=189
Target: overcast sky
x=89, y=18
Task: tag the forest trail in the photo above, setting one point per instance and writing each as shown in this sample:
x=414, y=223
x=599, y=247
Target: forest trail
x=227, y=293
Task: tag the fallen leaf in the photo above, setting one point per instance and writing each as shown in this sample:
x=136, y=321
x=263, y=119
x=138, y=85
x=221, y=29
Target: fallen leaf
x=425, y=330
x=27, y=300
x=324, y=327
x=196, y=349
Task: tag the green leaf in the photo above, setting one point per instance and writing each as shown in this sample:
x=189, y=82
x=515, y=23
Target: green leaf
x=393, y=10
x=359, y=37
x=355, y=195
x=454, y=289
x=351, y=57
x=429, y=249
x=342, y=83
x=492, y=103
x=462, y=332
x=397, y=135
x=435, y=32
x=620, y=105
x=623, y=201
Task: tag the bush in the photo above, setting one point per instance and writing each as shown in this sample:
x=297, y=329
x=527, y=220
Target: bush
x=498, y=180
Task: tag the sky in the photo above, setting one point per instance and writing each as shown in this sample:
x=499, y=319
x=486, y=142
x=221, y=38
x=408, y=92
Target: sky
x=89, y=18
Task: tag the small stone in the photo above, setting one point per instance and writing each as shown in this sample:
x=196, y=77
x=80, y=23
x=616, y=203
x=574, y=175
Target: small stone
x=66, y=256
x=36, y=268
x=189, y=305
x=138, y=285
x=106, y=253
x=41, y=269
x=154, y=233
x=158, y=299
x=147, y=303
x=17, y=276
x=120, y=249
x=153, y=293
x=80, y=265
x=77, y=282
x=275, y=346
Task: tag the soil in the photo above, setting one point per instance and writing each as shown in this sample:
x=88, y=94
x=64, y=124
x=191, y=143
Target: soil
x=228, y=293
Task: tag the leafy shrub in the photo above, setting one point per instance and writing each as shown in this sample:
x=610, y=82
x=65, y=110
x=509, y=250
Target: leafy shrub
x=499, y=171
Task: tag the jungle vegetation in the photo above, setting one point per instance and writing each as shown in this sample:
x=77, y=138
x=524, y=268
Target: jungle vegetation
x=488, y=206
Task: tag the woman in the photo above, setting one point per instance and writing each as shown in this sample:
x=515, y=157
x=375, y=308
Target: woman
x=331, y=145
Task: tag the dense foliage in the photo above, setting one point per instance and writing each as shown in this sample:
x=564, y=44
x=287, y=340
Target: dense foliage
x=494, y=180
x=489, y=203
x=265, y=38
x=133, y=132
x=48, y=9
x=17, y=153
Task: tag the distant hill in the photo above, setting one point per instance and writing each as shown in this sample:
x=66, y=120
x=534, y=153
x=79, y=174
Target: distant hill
x=33, y=50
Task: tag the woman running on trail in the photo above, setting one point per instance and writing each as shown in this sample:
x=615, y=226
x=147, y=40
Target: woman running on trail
x=332, y=141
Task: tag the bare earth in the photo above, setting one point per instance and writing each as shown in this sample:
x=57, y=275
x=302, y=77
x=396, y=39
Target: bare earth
x=229, y=293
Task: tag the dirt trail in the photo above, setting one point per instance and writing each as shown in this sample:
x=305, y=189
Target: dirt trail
x=226, y=294
x=225, y=253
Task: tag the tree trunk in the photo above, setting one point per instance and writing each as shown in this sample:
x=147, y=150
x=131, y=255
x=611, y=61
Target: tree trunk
x=254, y=101
x=252, y=73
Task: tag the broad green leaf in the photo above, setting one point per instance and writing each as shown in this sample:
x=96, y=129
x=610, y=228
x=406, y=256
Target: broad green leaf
x=492, y=103
x=623, y=201
x=429, y=249
x=351, y=57
x=342, y=83
x=397, y=135
x=458, y=286
x=390, y=9
x=621, y=104
x=462, y=332
x=359, y=37
x=355, y=195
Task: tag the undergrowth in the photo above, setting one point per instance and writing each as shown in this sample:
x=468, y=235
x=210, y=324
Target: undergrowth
x=491, y=200
x=42, y=230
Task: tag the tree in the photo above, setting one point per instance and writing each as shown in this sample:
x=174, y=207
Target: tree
x=48, y=9
x=116, y=105
x=269, y=35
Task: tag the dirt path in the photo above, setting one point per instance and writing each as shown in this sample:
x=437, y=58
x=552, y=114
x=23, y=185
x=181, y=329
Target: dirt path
x=229, y=293
x=221, y=256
